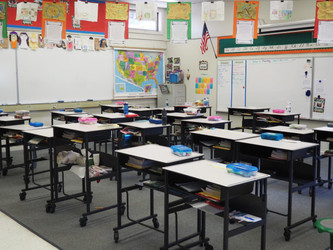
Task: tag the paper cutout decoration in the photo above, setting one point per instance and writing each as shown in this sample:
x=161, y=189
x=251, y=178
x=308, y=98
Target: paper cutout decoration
x=14, y=39
x=3, y=20
x=4, y=44
x=33, y=41
x=203, y=85
x=116, y=11
x=54, y=11
x=27, y=11
x=103, y=44
x=69, y=43
x=41, y=43
x=77, y=43
x=146, y=11
x=97, y=46
x=324, y=12
x=54, y=18
x=12, y=3
x=246, y=11
x=86, y=11
x=24, y=40
x=91, y=44
x=281, y=10
x=179, y=12
x=212, y=11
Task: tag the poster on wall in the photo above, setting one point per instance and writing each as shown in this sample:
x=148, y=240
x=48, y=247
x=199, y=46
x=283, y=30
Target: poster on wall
x=138, y=73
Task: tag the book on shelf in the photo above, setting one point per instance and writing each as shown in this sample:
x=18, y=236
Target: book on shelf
x=191, y=187
x=138, y=163
x=36, y=140
x=243, y=217
x=207, y=207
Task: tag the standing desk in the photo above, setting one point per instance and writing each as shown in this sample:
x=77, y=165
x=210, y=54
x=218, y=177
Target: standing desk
x=11, y=120
x=306, y=135
x=235, y=194
x=159, y=156
x=180, y=108
x=63, y=115
x=112, y=108
x=146, y=128
x=3, y=114
x=144, y=112
x=274, y=118
x=246, y=112
x=294, y=173
x=17, y=129
x=83, y=135
x=213, y=136
x=29, y=150
x=113, y=118
x=323, y=134
x=202, y=122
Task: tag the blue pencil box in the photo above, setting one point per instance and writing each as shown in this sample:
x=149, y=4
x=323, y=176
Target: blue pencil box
x=156, y=121
x=242, y=169
x=181, y=150
x=36, y=124
x=272, y=136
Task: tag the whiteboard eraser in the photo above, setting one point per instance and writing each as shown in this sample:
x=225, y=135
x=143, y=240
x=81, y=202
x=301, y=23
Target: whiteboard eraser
x=60, y=101
x=90, y=100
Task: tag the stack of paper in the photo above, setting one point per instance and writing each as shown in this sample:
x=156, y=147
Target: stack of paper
x=279, y=155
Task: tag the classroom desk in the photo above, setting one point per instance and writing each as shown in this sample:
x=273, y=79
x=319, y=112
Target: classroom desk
x=159, y=156
x=180, y=108
x=211, y=137
x=3, y=114
x=235, y=191
x=12, y=129
x=146, y=128
x=274, y=118
x=306, y=135
x=114, y=118
x=112, y=108
x=30, y=150
x=144, y=112
x=245, y=112
x=325, y=134
x=82, y=135
x=11, y=120
x=288, y=170
x=202, y=122
x=64, y=115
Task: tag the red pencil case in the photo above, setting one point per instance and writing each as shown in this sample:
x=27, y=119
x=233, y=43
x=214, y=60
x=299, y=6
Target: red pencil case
x=131, y=115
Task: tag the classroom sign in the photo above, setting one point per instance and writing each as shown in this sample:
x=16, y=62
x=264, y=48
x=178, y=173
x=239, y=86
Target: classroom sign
x=137, y=73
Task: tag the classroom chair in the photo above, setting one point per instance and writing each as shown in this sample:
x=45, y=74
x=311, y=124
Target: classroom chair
x=325, y=225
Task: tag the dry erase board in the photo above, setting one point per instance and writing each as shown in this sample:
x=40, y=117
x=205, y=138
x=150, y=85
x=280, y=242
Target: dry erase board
x=322, y=103
x=51, y=75
x=267, y=83
x=8, y=87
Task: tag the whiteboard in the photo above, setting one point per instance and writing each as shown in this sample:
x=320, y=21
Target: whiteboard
x=275, y=82
x=223, y=93
x=51, y=75
x=323, y=88
x=8, y=88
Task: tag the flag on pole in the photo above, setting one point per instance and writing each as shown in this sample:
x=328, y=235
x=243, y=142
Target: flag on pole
x=204, y=39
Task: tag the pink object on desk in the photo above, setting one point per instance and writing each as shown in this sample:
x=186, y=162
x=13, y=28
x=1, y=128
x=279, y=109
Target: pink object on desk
x=87, y=120
x=214, y=118
x=279, y=111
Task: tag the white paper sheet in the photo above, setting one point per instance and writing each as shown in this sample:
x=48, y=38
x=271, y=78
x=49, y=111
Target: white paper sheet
x=1, y=29
x=325, y=32
x=117, y=32
x=244, y=33
x=86, y=11
x=179, y=32
x=79, y=171
x=212, y=11
x=77, y=43
x=146, y=11
x=281, y=10
x=26, y=11
x=53, y=31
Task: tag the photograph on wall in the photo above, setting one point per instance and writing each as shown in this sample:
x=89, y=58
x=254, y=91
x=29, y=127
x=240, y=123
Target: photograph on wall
x=138, y=73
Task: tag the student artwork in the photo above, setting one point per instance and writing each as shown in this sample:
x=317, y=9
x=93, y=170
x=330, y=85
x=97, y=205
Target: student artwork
x=12, y=3
x=179, y=12
x=77, y=43
x=41, y=43
x=40, y=4
x=24, y=40
x=54, y=14
x=97, y=44
x=26, y=11
x=245, y=18
x=69, y=43
x=117, y=12
x=2, y=11
x=116, y=32
x=86, y=11
x=4, y=43
x=281, y=10
x=146, y=11
x=3, y=20
x=84, y=44
x=91, y=45
x=319, y=105
x=212, y=11
x=14, y=39
x=103, y=44
x=203, y=85
x=76, y=23
x=49, y=45
x=323, y=18
x=33, y=41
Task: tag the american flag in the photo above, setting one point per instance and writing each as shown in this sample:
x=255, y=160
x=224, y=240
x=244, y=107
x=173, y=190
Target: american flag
x=204, y=39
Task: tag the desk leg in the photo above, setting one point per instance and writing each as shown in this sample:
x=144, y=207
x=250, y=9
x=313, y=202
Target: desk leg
x=119, y=202
x=264, y=217
x=182, y=131
x=290, y=186
x=1, y=168
x=166, y=211
x=315, y=154
x=226, y=222
x=168, y=135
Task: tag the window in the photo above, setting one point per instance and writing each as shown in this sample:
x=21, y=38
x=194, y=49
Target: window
x=143, y=24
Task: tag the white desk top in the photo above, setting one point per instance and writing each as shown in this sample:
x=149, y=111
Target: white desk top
x=3, y=114
x=80, y=115
x=85, y=127
x=285, y=129
x=278, y=114
x=112, y=115
x=44, y=132
x=251, y=108
x=11, y=118
x=113, y=105
x=225, y=134
x=284, y=144
x=206, y=121
x=182, y=115
x=142, y=109
x=22, y=127
x=324, y=129
x=155, y=152
x=167, y=108
x=213, y=172
x=67, y=112
x=143, y=124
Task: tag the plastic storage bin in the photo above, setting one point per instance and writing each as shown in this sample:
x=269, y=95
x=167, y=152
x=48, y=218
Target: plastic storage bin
x=242, y=169
x=181, y=150
x=272, y=136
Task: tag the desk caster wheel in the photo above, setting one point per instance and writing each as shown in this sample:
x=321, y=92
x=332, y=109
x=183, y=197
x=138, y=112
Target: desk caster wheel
x=50, y=208
x=156, y=223
x=4, y=172
x=116, y=236
x=22, y=196
x=83, y=221
x=208, y=247
x=287, y=234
